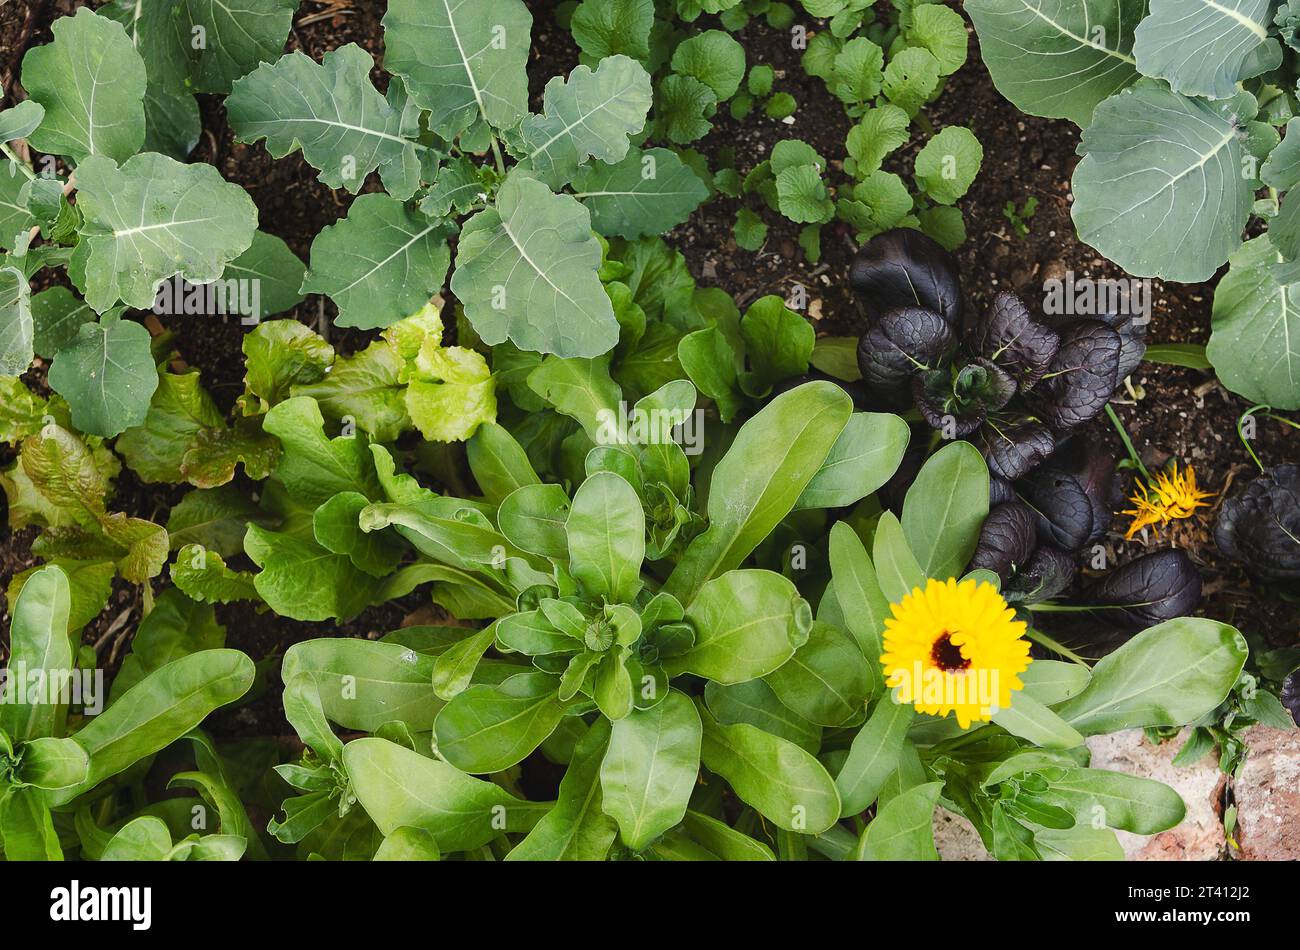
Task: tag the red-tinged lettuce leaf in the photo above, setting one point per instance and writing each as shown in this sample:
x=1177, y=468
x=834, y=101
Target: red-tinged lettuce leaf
x=1013, y=451
x=905, y=268
x=902, y=342
x=1007, y=540
x=1008, y=336
x=1260, y=527
x=1082, y=376
x=1072, y=495
x=1149, y=590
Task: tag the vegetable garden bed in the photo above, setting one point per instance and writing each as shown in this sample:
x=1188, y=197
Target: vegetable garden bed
x=388, y=542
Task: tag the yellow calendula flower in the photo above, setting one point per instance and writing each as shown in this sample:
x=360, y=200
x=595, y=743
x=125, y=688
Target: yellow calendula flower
x=955, y=647
x=1166, y=498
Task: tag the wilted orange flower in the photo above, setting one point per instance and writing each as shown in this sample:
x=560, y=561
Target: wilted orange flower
x=1166, y=498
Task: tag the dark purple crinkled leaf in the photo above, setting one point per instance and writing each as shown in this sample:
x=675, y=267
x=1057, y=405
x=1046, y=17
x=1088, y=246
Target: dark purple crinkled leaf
x=902, y=342
x=1260, y=527
x=1133, y=345
x=1291, y=695
x=932, y=393
x=1072, y=494
x=1082, y=377
x=1049, y=571
x=1013, y=451
x=1132, y=330
x=905, y=268
x=1000, y=491
x=1149, y=590
x=1006, y=540
x=987, y=382
x=1008, y=335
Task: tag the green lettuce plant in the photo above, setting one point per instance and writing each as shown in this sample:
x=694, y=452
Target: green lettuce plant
x=59, y=771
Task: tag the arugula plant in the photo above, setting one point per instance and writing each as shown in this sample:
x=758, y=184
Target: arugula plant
x=1221, y=156
x=60, y=770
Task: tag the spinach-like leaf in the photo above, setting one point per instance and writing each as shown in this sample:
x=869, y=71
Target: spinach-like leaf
x=785, y=784
x=1168, y=675
x=754, y=487
x=157, y=711
x=650, y=768
x=400, y=788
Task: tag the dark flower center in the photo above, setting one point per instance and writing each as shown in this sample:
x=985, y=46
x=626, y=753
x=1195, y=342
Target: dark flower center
x=947, y=655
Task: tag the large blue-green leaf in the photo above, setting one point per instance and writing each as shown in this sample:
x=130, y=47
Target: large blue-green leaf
x=1058, y=58
x=1255, y=328
x=1204, y=47
x=330, y=110
x=91, y=82
x=1160, y=190
x=380, y=264
x=527, y=270
x=462, y=60
x=151, y=219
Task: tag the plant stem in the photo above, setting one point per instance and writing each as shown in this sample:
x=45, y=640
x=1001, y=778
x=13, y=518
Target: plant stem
x=1044, y=640
x=26, y=169
x=1128, y=443
x=1049, y=608
x=496, y=157
x=1241, y=420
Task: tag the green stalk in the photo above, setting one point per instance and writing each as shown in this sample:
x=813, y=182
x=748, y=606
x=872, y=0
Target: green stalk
x=1044, y=640
x=1128, y=443
x=26, y=169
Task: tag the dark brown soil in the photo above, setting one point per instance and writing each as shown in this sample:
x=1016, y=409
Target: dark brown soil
x=1178, y=412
